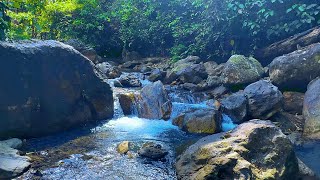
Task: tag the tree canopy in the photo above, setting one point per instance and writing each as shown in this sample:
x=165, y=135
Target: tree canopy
x=176, y=28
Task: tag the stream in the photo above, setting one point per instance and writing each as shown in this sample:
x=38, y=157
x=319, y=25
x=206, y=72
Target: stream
x=90, y=152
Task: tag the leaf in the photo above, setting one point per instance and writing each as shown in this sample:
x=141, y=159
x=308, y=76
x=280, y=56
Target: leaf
x=289, y=10
x=301, y=8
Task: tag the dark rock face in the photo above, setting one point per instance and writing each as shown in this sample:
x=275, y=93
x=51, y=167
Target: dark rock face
x=264, y=99
x=235, y=106
x=311, y=110
x=240, y=70
x=297, y=69
x=109, y=70
x=154, y=102
x=206, y=121
x=254, y=150
x=130, y=80
x=293, y=102
x=287, y=122
x=48, y=86
x=153, y=151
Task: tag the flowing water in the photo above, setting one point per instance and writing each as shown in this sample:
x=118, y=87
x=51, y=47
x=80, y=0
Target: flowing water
x=90, y=152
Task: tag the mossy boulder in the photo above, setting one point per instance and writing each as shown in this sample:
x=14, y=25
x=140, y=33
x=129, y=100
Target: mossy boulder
x=254, y=150
x=241, y=70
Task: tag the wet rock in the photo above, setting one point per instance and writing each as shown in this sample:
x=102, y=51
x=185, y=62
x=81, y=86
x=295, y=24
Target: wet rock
x=157, y=75
x=154, y=102
x=311, y=110
x=293, y=102
x=153, y=151
x=109, y=70
x=264, y=99
x=254, y=150
x=240, y=70
x=295, y=70
x=206, y=121
x=190, y=86
x=142, y=68
x=130, y=80
x=210, y=83
x=50, y=87
x=127, y=102
x=11, y=163
x=235, y=106
x=84, y=49
x=123, y=147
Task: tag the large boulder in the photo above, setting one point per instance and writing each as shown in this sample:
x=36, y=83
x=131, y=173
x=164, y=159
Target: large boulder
x=153, y=102
x=254, y=150
x=235, y=106
x=240, y=70
x=157, y=75
x=264, y=99
x=152, y=151
x=11, y=163
x=47, y=86
x=205, y=121
x=295, y=70
x=311, y=110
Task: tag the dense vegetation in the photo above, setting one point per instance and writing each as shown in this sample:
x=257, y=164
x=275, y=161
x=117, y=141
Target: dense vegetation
x=176, y=28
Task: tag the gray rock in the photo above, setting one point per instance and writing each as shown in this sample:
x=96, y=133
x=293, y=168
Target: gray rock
x=293, y=102
x=157, y=75
x=154, y=102
x=11, y=163
x=235, y=106
x=295, y=70
x=49, y=87
x=109, y=70
x=130, y=80
x=311, y=110
x=254, y=150
x=241, y=70
x=264, y=99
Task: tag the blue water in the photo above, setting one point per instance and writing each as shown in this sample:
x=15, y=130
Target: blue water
x=309, y=153
x=227, y=123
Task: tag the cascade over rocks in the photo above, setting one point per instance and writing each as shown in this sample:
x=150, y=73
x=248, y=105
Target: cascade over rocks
x=297, y=69
x=264, y=99
x=206, y=121
x=311, y=110
x=153, y=102
x=254, y=150
x=240, y=70
x=47, y=86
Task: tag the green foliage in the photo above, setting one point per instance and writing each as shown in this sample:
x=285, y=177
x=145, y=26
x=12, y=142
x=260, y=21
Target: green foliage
x=4, y=19
x=210, y=28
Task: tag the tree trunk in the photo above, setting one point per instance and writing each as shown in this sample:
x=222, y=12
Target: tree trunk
x=267, y=54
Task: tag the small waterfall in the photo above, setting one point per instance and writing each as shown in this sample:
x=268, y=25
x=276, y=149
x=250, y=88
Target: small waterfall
x=117, y=112
x=227, y=123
